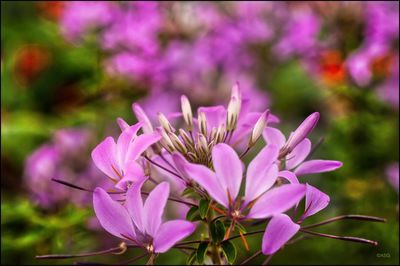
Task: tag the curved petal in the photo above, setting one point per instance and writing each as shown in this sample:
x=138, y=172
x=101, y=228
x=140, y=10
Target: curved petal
x=289, y=176
x=279, y=231
x=134, y=204
x=122, y=124
x=141, y=116
x=317, y=166
x=134, y=174
x=207, y=179
x=261, y=172
x=316, y=200
x=274, y=136
x=124, y=141
x=140, y=144
x=228, y=168
x=103, y=157
x=172, y=232
x=299, y=154
x=112, y=216
x=277, y=200
x=154, y=208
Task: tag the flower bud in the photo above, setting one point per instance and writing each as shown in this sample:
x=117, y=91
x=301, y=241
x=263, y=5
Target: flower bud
x=165, y=123
x=302, y=131
x=259, y=128
x=187, y=112
x=202, y=123
x=177, y=143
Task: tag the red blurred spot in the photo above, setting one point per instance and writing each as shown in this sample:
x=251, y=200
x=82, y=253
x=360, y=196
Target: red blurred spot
x=332, y=68
x=51, y=9
x=30, y=61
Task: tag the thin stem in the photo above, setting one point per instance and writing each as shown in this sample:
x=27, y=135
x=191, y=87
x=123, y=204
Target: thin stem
x=162, y=167
x=246, y=234
x=190, y=242
x=251, y=257
x=245, y=152
x=267, y=260
x=89, y=254
x=65, y=183
x=175, y=199
x=345, y=238
x=345, y=217
x=316, y=146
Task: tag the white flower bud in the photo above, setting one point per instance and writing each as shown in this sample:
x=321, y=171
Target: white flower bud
x=165, y=123
x=259, y=128
x=187, y=112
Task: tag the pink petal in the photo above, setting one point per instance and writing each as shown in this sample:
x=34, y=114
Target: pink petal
x=303, y=130
x=208, y=180
x=228, y=168
x=178, y=184
x=140, y=144
x=154, y=208
x=279, y=231
x=124, y=141
x=299, y=154
x=103, y=157
x=112, y=216
x=215, y=115
x=133, y=175
x=134, y=204
x=317, y=166
x=277, y=200
x=261, y=172
x=142, y=117
x=289, y=176
x=316, y=200
x=122, y=124
x=274, y=136
x=170, y=233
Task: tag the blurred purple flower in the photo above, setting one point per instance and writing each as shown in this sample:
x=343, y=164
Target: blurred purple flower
x=392, y=173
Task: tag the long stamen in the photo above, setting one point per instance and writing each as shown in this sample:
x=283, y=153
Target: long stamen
x=350, y=217
x=345, y=238
x=246, y=245
x=89, y=254
x=162, y=167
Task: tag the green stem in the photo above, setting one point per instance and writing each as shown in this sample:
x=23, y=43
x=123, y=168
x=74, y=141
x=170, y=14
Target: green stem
x=215, y=254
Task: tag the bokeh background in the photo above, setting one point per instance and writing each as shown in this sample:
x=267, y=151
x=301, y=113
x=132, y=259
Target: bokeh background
x=69, y=69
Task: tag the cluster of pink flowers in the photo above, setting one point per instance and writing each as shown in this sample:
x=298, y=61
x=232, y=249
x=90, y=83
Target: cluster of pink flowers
x=194, y=161
x=200, y=48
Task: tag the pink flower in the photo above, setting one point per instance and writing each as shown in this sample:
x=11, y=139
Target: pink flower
x=118, y=159
x=224, y=182
x=298, y=147
x=141, y=223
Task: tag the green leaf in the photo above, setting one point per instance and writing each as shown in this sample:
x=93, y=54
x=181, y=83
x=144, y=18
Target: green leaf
x=229, y=251
x=201, y=252
x=241, y=227
x=193, y=214
x=203, y=207
x=217, y=231
x=190, y=260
